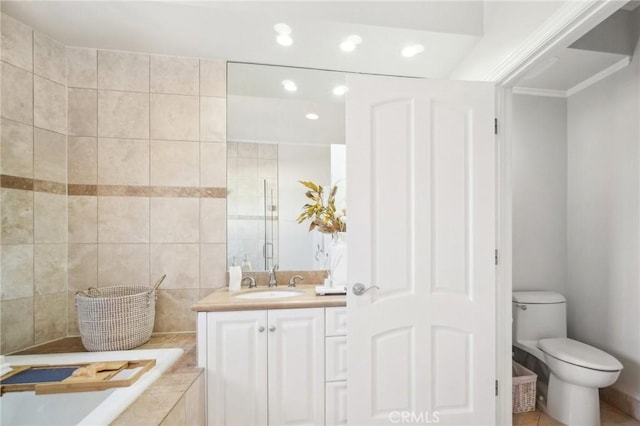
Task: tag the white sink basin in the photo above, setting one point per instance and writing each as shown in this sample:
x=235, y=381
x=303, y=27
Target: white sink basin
x=269, y=294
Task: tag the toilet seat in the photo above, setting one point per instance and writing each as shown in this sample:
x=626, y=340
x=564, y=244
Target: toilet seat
x=580, y=354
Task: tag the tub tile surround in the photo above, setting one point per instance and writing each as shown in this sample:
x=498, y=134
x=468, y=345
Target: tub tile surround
x=33, y=164
x=112, y=171
x=136, y=196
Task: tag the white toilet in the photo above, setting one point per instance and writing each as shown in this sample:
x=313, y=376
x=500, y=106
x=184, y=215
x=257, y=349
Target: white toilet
x=577, y=369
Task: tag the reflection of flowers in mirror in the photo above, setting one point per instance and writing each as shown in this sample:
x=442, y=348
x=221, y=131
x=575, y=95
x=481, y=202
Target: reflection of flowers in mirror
x=322, y=214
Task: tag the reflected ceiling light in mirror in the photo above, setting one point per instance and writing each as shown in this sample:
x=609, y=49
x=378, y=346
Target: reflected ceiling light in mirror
x=412, y=50
x=340, y=90
x=289, y=85
x=284, y=40
x=284, y=34
x=282, y=28
x=312, y=116
x=350, y=43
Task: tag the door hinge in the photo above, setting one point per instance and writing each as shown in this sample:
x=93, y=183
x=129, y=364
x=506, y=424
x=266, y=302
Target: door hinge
x=496, y=256
x=496, y=388
x=495, y=126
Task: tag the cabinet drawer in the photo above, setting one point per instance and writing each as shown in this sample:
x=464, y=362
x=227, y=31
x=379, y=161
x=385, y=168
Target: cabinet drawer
x=336, y=358
x=336, y=321
x=336, y=413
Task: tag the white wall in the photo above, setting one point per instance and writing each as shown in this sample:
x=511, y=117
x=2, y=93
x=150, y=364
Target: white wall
x=603, y=269
x=295, y=163
x=507, y=24
x=539, y=193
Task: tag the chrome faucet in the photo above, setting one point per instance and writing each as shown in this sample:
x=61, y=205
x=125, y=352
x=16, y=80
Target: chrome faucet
x=252, y=281
x=272, y=276
x=292, y=280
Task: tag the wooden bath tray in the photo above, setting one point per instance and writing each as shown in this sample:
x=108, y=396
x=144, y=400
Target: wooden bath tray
x=46, y=379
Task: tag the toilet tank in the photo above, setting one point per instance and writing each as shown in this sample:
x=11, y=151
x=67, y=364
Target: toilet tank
x=538, y=315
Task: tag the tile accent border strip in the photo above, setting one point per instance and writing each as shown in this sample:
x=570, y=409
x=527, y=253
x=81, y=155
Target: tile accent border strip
x=15, y=182
x=49, y=187
x=78, y=189
x=37, y=185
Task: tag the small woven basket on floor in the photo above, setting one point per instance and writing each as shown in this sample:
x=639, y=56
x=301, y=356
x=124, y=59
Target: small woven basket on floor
x=523, y=396
x=116, y=318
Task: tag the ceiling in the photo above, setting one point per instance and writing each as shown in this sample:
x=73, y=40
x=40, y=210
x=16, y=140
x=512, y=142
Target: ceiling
x=243, y=31
x=605, y=49
x=568, y=69
x=454, y=33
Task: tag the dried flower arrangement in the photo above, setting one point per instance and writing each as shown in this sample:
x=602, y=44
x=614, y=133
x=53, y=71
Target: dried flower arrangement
x=324, y=217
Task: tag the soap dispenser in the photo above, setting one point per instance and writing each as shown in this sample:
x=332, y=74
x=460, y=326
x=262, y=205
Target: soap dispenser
x=246, y=265
x=235, y=276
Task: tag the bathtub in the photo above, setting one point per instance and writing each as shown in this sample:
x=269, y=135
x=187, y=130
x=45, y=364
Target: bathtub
x=80, y=408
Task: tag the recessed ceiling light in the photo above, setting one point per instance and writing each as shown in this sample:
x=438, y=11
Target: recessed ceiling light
x=412, y=50
x=350, y=43
x=312, y=116
x=340, y=90
x=284, y=40
x=289, y=85
x=282, y=28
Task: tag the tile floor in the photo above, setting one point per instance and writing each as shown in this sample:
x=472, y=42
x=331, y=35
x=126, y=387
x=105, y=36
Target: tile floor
x=609, y=416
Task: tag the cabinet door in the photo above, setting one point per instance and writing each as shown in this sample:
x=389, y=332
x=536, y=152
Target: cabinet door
x=336, y=403
x=336, y=323
x=336, y=357
x=237, y=368
x=296, y=367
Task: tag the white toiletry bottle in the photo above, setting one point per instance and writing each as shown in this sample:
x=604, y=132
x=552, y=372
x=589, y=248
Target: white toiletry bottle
x=246, y=265
x=235, y=276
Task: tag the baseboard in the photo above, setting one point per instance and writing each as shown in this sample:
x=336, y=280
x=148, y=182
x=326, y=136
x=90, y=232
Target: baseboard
x=623, y=402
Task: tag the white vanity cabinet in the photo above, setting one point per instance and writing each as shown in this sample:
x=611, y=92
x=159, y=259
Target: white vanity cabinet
x=235, y=366
x=264, y=367
x=336, y=366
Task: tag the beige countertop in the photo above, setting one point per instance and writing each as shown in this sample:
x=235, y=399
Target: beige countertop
x=224, y=300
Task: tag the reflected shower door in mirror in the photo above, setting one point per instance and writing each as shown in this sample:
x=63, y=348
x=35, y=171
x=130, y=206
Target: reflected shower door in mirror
x=277, y=137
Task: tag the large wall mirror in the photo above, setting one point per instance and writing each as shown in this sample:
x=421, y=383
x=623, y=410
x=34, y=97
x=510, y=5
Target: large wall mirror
x=284, y=125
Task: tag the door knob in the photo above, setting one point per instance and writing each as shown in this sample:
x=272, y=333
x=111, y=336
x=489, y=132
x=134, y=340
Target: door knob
x=359, y=289
x=260, y=329
x=272, y=328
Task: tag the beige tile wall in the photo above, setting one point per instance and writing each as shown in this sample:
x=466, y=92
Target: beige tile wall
x=140, y=141
x=150, y=132
x=33, y=144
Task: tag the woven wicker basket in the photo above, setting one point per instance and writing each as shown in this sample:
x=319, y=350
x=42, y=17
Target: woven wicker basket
x=116, y=318
x=523, y=396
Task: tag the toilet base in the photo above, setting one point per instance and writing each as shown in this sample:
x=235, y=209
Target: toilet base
x=572, y=404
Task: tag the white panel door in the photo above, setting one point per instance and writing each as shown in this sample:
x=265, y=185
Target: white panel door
x=296, y=366
x=237, y=368
x=422, y=228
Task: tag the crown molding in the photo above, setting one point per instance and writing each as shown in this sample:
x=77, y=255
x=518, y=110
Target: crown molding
x=532, y=91
x=569, y=23
x=599, y=76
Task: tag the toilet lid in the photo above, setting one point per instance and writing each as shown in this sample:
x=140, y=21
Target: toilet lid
x=580, y=354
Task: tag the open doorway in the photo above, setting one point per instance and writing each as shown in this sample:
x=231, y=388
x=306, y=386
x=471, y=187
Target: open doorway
x=573, y=160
